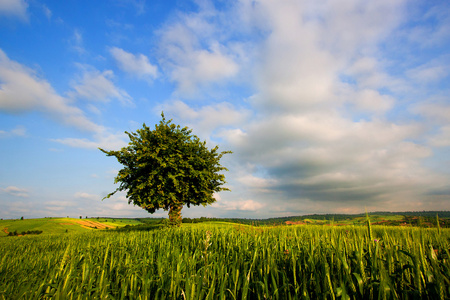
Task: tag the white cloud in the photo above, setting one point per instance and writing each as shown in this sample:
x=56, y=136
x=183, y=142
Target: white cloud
x=195, y=68
x=352, y=26
x=98, y=87
x=373, y=101
x=102, y=139
x=258, y=183
x=87, y=196
x=429, y=72
x=22, y=90
x=304, y=139
x=207, y=119
x=139, y=5
x=76, y=42
x=191, y=65
x=17, y=8
x=239, y=205
x=435, y=110
x=15, y=191
x=137, y=65
x=59, y=205
x=442, y=138
x=432, y=25
x=18, y=131
x=48, y=13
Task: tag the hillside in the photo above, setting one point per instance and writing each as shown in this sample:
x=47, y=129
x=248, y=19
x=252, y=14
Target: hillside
x=416, y=219
x=60, y=225
x=65, y=225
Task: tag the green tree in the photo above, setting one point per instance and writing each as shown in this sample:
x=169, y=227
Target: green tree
x=168, y=167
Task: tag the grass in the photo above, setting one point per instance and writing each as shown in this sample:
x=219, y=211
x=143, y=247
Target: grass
x=119, y=222
x=61, y=225
x=229, y=261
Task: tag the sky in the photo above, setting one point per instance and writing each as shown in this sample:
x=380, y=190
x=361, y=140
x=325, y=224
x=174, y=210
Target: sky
x=328, y=106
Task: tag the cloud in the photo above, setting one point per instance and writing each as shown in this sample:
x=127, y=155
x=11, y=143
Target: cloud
x=139, y=5
x=117, y=205
x=367, y=100
x=16, y=8
x=436, y=110
x=442, y=138
x=18, y=131
x=97, y=86
x=208, y=119
x=137, y=65
x=303, y=137
x=59, y=206
x=240, y=205
x=47, y=11
x=87, y=196
x=318, y=132
x=76, y=42
x=324, y=156
x=21, y=90
x=15, y=191
x=192, y=57
x=431, y=26
x=429, y=72
x=102, y=139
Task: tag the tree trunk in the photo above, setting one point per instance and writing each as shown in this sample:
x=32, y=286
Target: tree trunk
x=175, y=215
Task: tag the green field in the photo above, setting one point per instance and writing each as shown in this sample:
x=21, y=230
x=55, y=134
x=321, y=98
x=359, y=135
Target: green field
x=229, y=261
x=61, y=225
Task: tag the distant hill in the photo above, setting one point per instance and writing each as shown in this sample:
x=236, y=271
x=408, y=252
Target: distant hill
x=65, y=225
x=409, y=218
x=59, y=225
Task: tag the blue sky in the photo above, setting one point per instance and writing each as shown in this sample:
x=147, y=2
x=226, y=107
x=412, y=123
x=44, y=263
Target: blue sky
x=328, y=106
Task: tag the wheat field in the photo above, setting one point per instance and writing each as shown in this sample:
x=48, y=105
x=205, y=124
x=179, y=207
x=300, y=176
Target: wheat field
x=226, y=261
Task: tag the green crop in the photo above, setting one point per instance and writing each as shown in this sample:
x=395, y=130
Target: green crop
x=220, y=261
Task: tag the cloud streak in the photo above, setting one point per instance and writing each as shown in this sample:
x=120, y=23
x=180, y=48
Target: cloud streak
x=137, y=65
x=15, y=8
x=15, y=191
x=21, y=90
x=97, y=86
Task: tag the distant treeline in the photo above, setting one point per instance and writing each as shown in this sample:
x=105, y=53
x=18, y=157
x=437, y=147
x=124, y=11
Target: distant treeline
x=15, y=233
x=411, y=218
x=337, y=217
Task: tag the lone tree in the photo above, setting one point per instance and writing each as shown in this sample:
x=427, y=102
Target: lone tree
x=167, y=168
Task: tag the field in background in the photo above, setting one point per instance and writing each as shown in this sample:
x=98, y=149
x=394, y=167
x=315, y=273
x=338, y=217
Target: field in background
x=61, y=225
x=65, y=225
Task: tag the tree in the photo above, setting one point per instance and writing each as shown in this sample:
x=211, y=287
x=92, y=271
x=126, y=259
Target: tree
x=168, y=167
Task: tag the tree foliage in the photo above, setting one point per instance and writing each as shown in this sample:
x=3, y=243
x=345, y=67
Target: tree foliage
x=168, y=167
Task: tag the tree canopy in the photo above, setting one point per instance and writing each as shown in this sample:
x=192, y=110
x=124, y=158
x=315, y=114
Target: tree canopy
x=168, y=167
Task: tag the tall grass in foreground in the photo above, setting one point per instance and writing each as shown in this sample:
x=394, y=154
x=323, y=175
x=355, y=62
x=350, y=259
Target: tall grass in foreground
x=210, y=261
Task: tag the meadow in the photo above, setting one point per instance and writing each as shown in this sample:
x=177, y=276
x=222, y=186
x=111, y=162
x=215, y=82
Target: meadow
x=61, y=225
x=229, y=261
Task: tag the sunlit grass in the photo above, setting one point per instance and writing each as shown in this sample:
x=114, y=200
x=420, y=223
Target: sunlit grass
x=60, y=225
x=229, y=261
